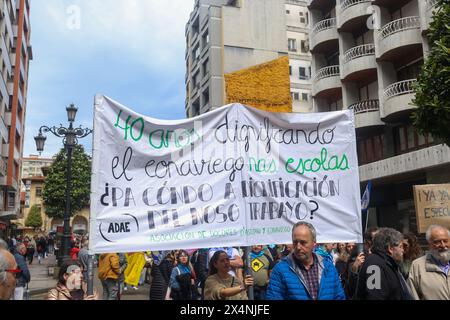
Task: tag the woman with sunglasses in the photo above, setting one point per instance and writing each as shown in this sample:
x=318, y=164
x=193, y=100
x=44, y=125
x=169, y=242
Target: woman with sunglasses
x=70, y=284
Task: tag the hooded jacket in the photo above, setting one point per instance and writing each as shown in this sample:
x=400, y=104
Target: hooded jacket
x=286, y=283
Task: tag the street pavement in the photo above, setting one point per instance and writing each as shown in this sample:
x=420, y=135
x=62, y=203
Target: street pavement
x=41, y=282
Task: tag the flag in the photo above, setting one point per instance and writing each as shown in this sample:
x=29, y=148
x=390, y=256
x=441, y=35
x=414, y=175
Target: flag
x=366, y=196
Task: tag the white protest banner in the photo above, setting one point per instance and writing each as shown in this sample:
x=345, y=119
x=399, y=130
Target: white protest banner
x=236, y=176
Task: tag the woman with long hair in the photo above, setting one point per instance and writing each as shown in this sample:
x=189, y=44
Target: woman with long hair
x=220, y=285
x=411, y=251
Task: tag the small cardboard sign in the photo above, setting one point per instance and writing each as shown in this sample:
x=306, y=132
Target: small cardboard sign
x=432, y=203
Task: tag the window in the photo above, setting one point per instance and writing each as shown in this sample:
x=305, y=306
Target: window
x=292, y=45
x=196, y=52
x=205, y=39
x=407, y=139
x=290, y=70
x=38, y=192
x=11, y=199
x=288, y=12
x=196, y=80
x=205, y=97
x=295, y=96
x=205, y=67
x=370, y=149
x=304, y=96
x=302, y=72
x=304, y=46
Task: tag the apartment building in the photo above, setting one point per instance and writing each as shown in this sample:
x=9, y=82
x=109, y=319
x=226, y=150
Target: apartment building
x=297, y=32
x=223, y=36
x=366, y=56
x=33, y=164
x=15, y=55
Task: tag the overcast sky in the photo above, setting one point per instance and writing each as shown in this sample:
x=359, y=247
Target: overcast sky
x=130, y=50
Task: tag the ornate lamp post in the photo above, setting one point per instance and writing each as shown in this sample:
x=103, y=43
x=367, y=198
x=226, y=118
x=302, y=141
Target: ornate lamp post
x=70, y=137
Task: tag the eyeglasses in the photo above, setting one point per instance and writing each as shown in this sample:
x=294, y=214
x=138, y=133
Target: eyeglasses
x=13, y=271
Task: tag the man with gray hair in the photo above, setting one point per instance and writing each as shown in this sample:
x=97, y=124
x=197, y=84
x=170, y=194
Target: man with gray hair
x=380, y=277
x=429, y=276
x=303, y=274
x=8, y=270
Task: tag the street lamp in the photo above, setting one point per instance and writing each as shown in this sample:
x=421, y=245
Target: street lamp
x=70, y=137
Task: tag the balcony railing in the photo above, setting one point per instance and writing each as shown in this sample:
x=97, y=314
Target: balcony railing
x=365, y=106
x=399, y=88
x=348, y=3
x=324, y=25
x=400, y=25
x=327, y=72
x=431, y=4
x=359, y=51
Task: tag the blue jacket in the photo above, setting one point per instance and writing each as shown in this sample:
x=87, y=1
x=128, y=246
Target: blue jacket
x=286, y=284
x=23, y=277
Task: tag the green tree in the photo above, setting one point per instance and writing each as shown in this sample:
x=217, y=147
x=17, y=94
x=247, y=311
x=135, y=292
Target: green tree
x=54, y=191
x=34, y=218
x=433, y=87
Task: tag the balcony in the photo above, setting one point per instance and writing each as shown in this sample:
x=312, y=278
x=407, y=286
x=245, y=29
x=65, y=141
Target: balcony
x=327, y=83
x=429, y=6
x=359, y=63
x=412, y=161
x=397, y=102
x=353, y=14
x=367, y=116
x=324, y=36
x=398, y=38
x=317, y=4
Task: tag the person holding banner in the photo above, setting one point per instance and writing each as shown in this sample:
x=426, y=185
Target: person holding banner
x=220, y=285
x=303, y=274
x=70, y=284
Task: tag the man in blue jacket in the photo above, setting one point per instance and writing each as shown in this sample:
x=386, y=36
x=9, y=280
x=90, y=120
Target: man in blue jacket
x=24, y=276
x=304, y=275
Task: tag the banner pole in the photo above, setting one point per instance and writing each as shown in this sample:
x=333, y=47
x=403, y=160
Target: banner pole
x=90, y=280
x=248, y=271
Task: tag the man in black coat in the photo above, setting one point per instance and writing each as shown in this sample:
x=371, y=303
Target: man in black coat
x=380, y=277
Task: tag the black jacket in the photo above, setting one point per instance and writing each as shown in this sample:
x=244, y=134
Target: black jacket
x=380, y=279
x=160, y=279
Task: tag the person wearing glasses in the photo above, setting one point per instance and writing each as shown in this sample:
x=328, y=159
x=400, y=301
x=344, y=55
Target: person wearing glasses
x=429, y=276
x=182, y=278
x=23, y=277
x=70, y=284
x=8, y=271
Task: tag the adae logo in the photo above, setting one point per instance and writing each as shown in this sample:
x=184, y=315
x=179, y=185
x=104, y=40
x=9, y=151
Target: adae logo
x=112, y=231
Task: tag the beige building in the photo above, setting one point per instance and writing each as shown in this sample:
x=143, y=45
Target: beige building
x=32, y=165
x=224, y=36
x=33, y=196
x=369, y=63
x=15, y=55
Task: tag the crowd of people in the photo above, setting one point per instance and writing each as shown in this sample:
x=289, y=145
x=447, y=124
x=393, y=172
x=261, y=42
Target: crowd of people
x=387, y=266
